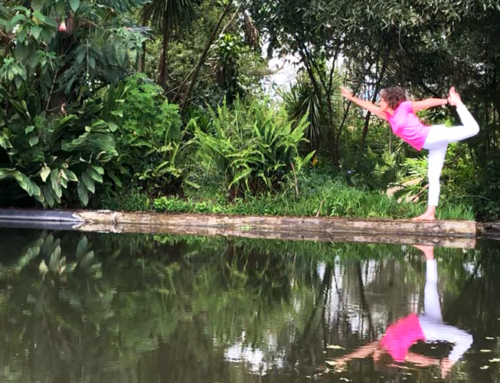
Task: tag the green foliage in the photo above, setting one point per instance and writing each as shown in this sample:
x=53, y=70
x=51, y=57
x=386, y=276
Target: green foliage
x=230, y=50
x=301, y=100
x=71, y=64
x=50, y=155
x=483, y=189
x=318, y=197
x=149, y=141
x=130, y=199
x=56, y=124
x=253, y=146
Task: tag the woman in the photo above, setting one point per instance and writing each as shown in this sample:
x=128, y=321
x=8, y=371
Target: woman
x=394, y=346
x=400, y=113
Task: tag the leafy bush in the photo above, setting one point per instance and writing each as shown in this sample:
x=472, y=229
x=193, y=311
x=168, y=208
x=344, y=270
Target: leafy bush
x=483, y=187
x=56, y=131
x=42, y=155
x=253, y=147
x=131, y=199
x=300, y=101
x=149, y=140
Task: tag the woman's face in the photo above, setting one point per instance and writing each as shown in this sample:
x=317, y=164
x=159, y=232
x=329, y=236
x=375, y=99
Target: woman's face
x=384, y=106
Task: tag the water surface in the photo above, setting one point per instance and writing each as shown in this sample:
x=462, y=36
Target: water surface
x=144, y=308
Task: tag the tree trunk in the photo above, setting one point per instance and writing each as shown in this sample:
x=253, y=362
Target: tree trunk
x=368, y=116
x=374, y=99
x=364, y=303
x=334, y=153
x=365, y=132
x=204, y=56
x=142, y=60
x=163, y=59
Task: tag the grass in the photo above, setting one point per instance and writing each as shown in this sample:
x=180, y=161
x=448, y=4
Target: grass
x=332, y=199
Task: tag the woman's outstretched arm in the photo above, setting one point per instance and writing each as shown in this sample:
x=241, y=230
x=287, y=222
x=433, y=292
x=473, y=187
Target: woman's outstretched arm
x=360, y=353
x=364, y=104
x=428, y=103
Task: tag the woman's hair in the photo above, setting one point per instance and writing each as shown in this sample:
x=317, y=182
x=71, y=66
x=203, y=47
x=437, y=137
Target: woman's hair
x=394, y=96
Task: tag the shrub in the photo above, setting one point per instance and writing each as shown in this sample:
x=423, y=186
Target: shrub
x=149, y=140
x=253, y=147
x=43, y=155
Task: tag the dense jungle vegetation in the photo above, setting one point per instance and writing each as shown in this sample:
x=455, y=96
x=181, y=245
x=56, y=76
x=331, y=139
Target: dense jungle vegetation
x=172, y=105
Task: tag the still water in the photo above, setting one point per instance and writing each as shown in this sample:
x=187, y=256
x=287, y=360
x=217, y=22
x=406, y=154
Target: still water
x=142, y=308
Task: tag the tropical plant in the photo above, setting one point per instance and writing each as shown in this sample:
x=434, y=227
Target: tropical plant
x=149, y=140
x=167, y=17
x=301, y=100
x=253, y=146
x=58, y=94
x=42, y=155
x=229, y=51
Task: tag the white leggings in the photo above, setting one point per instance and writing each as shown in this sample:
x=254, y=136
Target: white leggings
x=431, y=321
x=437, y=142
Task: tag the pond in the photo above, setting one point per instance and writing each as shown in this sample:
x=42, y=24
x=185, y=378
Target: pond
x=99, y=307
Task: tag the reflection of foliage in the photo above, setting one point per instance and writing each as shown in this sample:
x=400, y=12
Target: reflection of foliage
x=134, y=300
x=52, y=258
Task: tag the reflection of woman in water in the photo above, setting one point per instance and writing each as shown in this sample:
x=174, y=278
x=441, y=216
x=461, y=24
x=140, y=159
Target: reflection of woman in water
x=428, y=327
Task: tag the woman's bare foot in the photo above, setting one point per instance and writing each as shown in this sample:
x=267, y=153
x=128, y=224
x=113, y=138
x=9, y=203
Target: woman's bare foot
x=454, y=98
x=429, y=215
x=424, y=217
x=427, y=250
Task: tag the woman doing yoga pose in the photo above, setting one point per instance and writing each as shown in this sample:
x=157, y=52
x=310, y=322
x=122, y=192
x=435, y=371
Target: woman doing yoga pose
x=400, y=113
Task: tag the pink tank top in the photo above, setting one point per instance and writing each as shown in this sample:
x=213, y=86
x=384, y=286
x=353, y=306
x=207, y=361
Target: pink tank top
x=400, y=336
x=405, y=124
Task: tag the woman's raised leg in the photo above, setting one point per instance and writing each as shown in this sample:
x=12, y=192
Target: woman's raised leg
x=437, y=142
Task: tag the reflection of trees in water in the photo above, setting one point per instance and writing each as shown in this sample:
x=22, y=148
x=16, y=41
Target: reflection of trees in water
x=165, y=308
x=149, y=307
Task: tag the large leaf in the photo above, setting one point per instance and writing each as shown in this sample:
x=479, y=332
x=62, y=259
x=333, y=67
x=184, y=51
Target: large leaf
x=49, y=195
x=96, y=176
x=4, y=141
x=89, y=182
x=70, y=175
x=83, y=194
x=44, y=173
x=56, y=183
x=74, y=4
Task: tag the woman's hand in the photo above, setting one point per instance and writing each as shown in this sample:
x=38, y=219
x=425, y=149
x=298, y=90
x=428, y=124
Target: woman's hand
x=341, y=360
x=338, y=364
x=346, y=93
x=446, y=366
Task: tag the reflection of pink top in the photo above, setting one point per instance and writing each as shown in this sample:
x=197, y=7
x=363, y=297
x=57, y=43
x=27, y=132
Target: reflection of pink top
x=405, y=124
x=401, y=335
